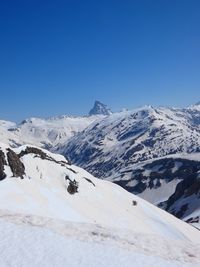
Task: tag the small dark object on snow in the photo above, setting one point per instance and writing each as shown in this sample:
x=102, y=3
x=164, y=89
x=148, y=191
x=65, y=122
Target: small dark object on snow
x=134, y=203
x=72, y=187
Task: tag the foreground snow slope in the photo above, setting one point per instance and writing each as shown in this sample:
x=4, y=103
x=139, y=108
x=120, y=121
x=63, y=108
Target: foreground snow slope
x=44, y=191
x=37, y=241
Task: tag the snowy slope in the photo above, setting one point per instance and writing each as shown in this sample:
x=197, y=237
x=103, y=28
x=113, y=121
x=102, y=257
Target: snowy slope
x=148, y=151
x=123, y=139
x=38, y=241
x=43, y=190
x=43, y=222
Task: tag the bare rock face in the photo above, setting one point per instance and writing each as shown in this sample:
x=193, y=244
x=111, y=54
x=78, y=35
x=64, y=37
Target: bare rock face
x=72, y=187
x=100, y=109
x=33, y=150
x=41, y=154
x=17, y=167
x=2, y=163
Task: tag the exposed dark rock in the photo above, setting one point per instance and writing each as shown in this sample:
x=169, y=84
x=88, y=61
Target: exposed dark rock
x=89, y=181
x=39, y=153
x=193, y=220
x=2, y=163
x=72, y=170
x=182, y=189
x=134, y=203
x=17, y=167
x=99, y=109
x=132, y=150
x=72, y=187
x=181, y=212
x=33, y=150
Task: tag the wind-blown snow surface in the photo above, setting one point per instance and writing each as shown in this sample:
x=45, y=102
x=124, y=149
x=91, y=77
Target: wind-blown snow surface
x=37, y=241
x=42, y=224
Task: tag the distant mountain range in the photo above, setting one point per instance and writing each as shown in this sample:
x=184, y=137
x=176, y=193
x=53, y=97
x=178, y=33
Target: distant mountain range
x=152, y=152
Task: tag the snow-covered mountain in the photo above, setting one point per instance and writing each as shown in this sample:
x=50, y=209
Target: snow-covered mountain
x=50, y=207
x=148, y=151
x=152, y=152
x=125, y=138
x=100, y=109
x=47, y=133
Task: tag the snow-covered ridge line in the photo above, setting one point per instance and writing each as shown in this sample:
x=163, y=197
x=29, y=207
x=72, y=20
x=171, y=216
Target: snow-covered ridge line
x=147, y=151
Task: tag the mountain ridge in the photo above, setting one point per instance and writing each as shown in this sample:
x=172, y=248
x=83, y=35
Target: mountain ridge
x=126, y=148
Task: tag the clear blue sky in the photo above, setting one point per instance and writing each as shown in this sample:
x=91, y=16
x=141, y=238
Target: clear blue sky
x=57, y=57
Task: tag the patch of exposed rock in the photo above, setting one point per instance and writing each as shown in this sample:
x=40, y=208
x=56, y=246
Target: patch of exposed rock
x=39, y=153
x=17, y=167
x=2, y=163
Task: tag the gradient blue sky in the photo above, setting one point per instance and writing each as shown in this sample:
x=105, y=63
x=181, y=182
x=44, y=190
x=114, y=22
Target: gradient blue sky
x=57, y=57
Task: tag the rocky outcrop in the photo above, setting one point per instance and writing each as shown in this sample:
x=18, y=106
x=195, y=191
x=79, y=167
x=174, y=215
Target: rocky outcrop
x=41, y=154
x=33, y=150
x=180, y=204
x=72, y=187
x=2, y=163
x=151, y=175
x=17, y=167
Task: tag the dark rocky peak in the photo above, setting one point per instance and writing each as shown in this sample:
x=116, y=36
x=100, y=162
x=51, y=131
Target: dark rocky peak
x=100, y=109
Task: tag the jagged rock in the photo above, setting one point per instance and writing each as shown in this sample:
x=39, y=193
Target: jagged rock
x=2, y=163
x=89, y=181
x=17, y=167
x=33, y=150
x=38, y=152
x=72, y=187
x=100, y=109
